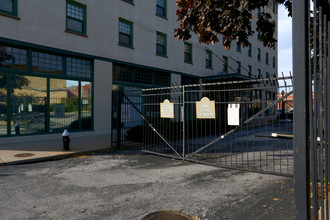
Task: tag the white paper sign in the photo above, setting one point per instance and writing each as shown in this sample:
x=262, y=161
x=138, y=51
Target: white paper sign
x=233, y=114
x=166, y=109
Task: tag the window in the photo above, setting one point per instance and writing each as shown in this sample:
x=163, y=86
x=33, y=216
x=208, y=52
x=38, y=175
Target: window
x=161, y=44
x=78, y=67
x=13, y=58
x=259, y=34
x=259, y=54
x=129, y=1
x=125, y=33
x=225, y=64
x=187, y=52
x=161, y=8
x=274, y=6
x=250, y=50
x=274, y=62
x=250, y=71
x=8, y=7
x=208, y=59
x=267, y=58
x=259, y=12
x=238, y=47
x=274, y=46
x=267, y=77
x=238, y=67
x=259, y=73
x=75, y=17
x=47, y=63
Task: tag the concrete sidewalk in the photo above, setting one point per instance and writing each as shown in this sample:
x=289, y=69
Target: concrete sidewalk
x=27, y=149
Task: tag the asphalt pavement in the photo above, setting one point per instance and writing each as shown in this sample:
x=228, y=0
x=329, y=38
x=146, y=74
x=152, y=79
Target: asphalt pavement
x=131, y=185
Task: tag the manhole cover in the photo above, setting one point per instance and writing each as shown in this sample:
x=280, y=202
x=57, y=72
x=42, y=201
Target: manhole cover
x=167, y=215
x=24, y=155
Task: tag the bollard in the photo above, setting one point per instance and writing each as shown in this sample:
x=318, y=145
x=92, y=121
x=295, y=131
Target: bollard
x=17, y=128
x=66, y=140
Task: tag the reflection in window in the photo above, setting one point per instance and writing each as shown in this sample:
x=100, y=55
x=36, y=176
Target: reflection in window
x=8, y=7
x=78, y=67
x=13, y=58
x=28, y=104
x=44, y=62
x=64, y=105
x=3, y=104
x=86, y=105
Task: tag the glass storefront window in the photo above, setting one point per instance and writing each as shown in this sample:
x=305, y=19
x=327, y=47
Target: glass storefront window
x=47, y=63
x=3, y=104
x=28, y=104
x=13, y=58
x=64, y=105
x=86, y=105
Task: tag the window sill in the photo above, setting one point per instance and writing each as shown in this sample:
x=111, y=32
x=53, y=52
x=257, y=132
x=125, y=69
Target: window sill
x=162, y=55
x=124, y=45
x=9, y=16
x=75, y=33
x=129, y=2
x=161, y=16
x=189, y=62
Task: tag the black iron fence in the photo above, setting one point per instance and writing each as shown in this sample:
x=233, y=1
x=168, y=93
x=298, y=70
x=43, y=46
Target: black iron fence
x=311, y=94
x=243, y=124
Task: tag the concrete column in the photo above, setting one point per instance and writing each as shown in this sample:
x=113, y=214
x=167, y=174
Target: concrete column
x=102, y=96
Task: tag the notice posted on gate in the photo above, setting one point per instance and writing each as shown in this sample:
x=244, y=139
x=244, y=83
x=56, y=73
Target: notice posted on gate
x=205, y=109
x=233, y=114
x=166, y=109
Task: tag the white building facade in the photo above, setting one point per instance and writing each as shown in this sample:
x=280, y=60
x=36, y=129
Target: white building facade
x=60, y=60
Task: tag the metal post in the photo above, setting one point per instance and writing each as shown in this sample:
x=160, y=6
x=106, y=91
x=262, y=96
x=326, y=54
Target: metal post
x=301, y=62
x=118, y=119
x=183, y=126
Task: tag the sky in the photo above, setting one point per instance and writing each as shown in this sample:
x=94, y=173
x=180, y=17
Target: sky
x=284, y=41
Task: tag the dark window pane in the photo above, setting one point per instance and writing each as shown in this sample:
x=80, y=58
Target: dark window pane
x=160, y=49
x=7, y=5
x=74, y=25
x=160, y=11
x=124, y=39
x=12, y=58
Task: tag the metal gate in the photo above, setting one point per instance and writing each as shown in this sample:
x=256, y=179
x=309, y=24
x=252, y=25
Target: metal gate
x=262, y=141
x=311, y=39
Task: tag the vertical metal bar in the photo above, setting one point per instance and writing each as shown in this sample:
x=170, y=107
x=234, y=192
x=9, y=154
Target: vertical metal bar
x=327, y=133
x=118, y=119
x=301, y=59
x=320, y=107
x=183, y=124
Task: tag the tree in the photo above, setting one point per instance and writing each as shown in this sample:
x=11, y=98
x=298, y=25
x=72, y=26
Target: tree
x=231, y=19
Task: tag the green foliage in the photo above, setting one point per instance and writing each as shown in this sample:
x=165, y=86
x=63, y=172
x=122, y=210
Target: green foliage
x=231, y=19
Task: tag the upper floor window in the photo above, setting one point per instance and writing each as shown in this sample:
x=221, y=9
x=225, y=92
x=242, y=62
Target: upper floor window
x=259, y=73
x=187, y=52
x=161, y=44
x=250, y=71
x=8, y=7
x=129, y=1
x=161, y=8
x=75, y=17
x=259, y=54
x=125, y=33
x=225, y=64
x=238, y=47
x=250, y=50
x=238, y=67
x=267, y=58
x=274, y=62
x=208, y=59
